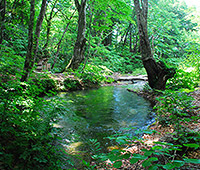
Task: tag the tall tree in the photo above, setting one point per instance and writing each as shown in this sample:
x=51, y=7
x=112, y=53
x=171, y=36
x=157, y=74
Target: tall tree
x=29, y=53
x=157, y=72
x=79, y=49
x=33, y=40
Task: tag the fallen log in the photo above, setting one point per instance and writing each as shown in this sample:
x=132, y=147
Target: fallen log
x=132, y=78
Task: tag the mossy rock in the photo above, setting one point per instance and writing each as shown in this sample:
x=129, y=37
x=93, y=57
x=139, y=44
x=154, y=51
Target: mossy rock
x=72, y=84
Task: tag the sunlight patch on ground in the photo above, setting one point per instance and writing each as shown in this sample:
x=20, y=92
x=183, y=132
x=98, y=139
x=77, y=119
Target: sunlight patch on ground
x=57, y=126
x=73, y=148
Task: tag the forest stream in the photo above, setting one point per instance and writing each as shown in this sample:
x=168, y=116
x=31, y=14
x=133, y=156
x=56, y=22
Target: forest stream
x=95, y=114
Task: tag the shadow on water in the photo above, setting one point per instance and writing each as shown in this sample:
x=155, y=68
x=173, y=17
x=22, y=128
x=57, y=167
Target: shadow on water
x=100, y=113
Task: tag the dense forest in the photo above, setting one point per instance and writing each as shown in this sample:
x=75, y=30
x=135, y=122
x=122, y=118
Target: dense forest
x=53, y=46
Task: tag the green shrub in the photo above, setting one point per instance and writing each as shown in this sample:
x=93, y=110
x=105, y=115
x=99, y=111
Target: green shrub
x=72, y=84
x=28, y=138
x=10, y=64
x=193, y=62
x=187, y=77
x=163, y=155
x=175, y=108
x=48, y=85
x=42, y=86
x=183, y=80
x=88, y=76
x=117, y=60
x=92, y=75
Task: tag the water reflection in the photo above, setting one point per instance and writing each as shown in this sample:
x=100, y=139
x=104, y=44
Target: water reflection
x=102, y=112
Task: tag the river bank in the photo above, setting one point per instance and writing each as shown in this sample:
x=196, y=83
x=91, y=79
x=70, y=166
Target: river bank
x=165, y=133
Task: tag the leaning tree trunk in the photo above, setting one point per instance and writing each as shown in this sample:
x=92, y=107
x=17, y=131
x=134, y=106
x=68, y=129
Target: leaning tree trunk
x=157, y=72
x=29, y=53
x=79, y=49
x=38, y=27
x=33, y=40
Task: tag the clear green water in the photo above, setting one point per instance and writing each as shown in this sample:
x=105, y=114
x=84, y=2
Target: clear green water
x=99, y=113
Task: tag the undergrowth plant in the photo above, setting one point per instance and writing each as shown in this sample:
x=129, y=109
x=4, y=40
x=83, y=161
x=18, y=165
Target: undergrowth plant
x=28, y=139
x=163, y=155
x=117, y=60
x=88, y=76
x=183, y=80
x=187, y=76
x=193, y=62
x=176, y=109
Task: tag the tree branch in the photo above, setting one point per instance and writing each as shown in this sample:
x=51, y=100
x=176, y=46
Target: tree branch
x=78, y=6
x=58, y=45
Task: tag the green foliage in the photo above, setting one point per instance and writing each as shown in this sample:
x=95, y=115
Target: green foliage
x=192, y=61
x=187, y=76
x=95, y=146
x=183, y=80
x=47, y=85
x=169, y=25
x=42, y=86
x=88, y=76
x=10, y=63
x=72, y=84
x=161, y=155
x=17, y=39
x=92, y=75
x=118, y=61
x=139, y=71
x=173, y=105
x=28, y=139
x=175, y=108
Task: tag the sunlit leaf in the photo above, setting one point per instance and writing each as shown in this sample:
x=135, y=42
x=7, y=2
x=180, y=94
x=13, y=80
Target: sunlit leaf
x=178, y=163
x=194, y=161
x=192, y=145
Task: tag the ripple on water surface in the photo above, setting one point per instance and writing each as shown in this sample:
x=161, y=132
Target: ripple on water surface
x=102, y=112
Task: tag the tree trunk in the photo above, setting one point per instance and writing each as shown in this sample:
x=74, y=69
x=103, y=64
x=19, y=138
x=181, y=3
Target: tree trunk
x=79, y=49
x=29, y=54
x=33, y=40
x=38, y=27
x=2, y=19
x=157, y=72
